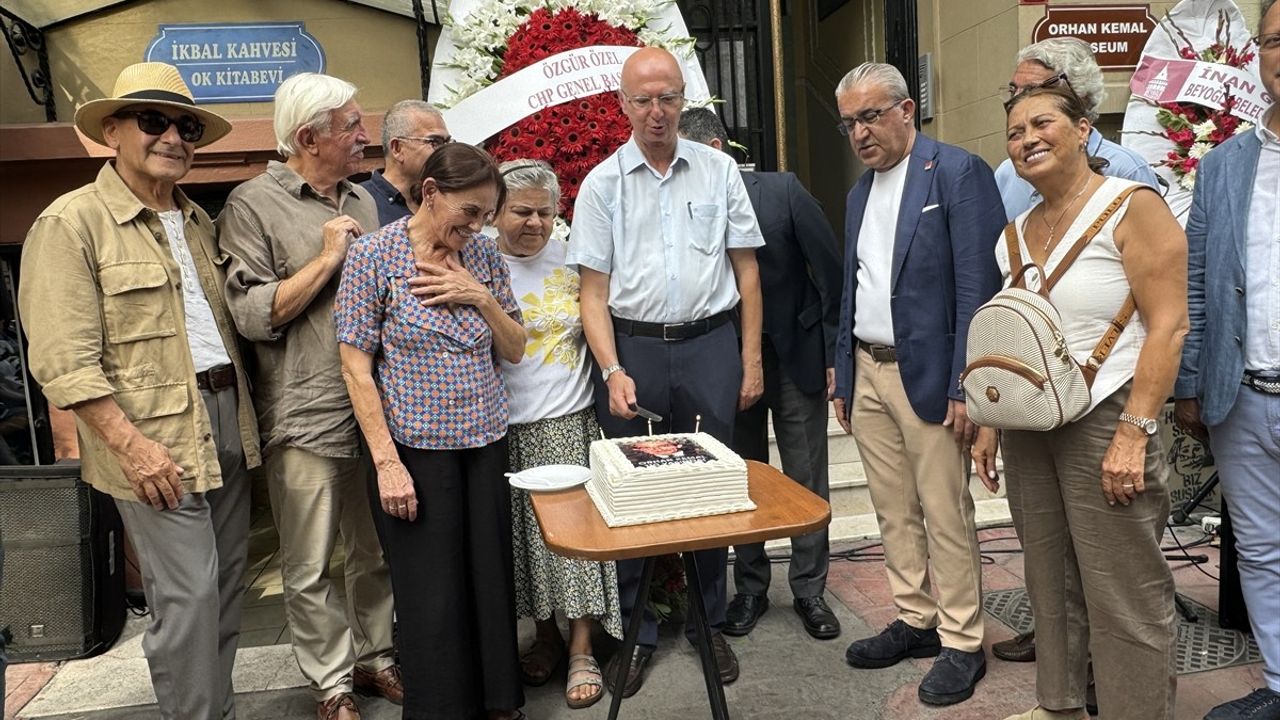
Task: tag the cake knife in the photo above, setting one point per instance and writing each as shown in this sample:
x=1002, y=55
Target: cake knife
x=646, y=414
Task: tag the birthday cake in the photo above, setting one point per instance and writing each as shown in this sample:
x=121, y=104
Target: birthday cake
x=666, y=477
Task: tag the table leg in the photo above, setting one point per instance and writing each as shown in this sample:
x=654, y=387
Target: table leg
x=710, y=671
x=638, y=605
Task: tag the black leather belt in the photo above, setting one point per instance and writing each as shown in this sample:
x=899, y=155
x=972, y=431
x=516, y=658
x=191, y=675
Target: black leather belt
x=217, y=378
x=880, y=353
x=672, y=331
x=1264, y=382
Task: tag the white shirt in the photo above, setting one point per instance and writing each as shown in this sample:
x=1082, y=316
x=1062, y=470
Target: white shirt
x=554, y=377
x=207, y=350
x=873, y=317
x=1092, y=291
x=663, y=239
x=1262, y=257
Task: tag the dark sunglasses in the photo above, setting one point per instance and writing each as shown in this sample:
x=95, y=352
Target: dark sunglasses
x=1013, y=92
x=154, y=122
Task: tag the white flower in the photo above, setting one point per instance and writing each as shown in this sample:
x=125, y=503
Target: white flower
x=1243, y=127
x=1204, y=130
x=1199, y=150
x=1188, y=181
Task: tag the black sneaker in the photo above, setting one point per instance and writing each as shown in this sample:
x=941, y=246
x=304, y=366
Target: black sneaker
x=896, y=643
x=1261, y=704
x=952, y=677
x=743, y=612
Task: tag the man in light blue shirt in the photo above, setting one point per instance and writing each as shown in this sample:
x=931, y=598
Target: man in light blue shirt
x=664, y=238
x=1049, y=62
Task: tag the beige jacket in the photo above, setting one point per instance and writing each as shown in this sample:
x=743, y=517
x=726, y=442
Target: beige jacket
x=101, y=303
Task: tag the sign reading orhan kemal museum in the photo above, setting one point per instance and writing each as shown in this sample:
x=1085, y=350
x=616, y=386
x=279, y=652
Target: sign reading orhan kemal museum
x=236, y=62
x=1115, y=33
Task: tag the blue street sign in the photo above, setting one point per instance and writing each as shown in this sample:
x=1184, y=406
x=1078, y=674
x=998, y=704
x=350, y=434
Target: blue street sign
x=236, y=62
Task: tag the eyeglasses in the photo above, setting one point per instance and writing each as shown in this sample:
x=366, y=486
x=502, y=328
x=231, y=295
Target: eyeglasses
x=1013, y=92
x=154, y=122
x=1267, y=43
x=668, y=101
x=472, y=214
x=846, y=126
x=434, y=141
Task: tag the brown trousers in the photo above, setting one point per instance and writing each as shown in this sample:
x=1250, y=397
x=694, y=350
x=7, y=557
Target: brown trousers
x=916, y=478
x=1097, y=579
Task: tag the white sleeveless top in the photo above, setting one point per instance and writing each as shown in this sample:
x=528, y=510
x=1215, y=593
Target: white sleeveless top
x=1092, y=291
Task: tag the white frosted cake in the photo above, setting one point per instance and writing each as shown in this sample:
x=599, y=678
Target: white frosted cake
x=666, y=477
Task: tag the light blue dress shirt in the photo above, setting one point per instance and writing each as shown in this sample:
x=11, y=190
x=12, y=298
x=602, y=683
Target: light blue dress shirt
x=1262, y=257
x=1019, y=196
x=663, y=239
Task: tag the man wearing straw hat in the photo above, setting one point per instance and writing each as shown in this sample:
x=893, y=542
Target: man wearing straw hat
x=144, y=353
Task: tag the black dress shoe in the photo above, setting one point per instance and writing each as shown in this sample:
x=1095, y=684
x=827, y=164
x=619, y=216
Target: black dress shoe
x=743, y=613
x=817, y=617
x=635, y=673
x=1019, y=648
x=1261, y=704
x=897, y=642
x=726, y=660
x=952, y=677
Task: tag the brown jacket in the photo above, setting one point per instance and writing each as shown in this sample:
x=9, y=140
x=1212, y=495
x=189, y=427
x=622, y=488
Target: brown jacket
x=101, y=302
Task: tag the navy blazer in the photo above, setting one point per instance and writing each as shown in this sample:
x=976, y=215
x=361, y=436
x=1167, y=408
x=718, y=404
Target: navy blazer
x=799, y=276
x=1213, y=352
x=944, y=267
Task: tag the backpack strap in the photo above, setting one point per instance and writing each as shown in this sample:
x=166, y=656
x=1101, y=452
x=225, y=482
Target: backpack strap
x=1015, y=251
x=1088, y=235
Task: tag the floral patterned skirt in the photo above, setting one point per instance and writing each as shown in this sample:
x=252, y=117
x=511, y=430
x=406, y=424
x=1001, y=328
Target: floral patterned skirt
x=546, y=582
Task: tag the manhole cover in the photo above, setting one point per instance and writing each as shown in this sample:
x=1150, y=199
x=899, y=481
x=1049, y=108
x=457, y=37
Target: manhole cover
x=1201, y=645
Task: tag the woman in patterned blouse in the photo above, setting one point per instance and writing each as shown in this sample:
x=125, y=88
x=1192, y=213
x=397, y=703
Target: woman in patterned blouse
x=424, y=312
x=553, y=421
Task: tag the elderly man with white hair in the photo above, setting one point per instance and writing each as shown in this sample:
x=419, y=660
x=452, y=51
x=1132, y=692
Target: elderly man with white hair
x=1066, y=60
x=287, y=232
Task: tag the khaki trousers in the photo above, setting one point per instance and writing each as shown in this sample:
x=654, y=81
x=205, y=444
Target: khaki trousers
x=1097, y=579
x=915, y=474
x=317, y=500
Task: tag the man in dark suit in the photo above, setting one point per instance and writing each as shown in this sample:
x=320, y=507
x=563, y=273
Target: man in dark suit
x=920, y=234
x=800, y=283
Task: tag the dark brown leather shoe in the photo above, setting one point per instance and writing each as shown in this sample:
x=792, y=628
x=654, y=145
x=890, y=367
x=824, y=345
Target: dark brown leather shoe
x=385, y=683
x=726, y=660
x=1021, y=648
x=338, y=707
x=635, y=673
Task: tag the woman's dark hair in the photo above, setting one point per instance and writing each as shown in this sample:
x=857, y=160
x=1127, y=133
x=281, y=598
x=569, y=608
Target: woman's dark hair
x=1069, y=104
x=459, y=166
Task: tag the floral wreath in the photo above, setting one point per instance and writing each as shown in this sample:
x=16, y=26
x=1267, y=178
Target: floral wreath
x=501, y=37
x=1196, y=129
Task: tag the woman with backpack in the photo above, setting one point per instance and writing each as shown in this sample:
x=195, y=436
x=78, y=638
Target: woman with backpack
x=1099, y=317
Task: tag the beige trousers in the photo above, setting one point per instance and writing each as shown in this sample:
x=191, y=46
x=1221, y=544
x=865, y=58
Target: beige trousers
x=317, y=500
x=915, y=473
x=1096, y=576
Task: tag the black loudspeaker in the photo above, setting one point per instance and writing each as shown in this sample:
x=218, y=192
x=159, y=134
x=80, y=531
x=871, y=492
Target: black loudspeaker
x=63, y=580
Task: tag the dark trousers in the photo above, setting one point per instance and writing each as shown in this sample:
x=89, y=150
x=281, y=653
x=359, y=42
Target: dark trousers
x=800, y=424
x=453, y=580
x=679, y=380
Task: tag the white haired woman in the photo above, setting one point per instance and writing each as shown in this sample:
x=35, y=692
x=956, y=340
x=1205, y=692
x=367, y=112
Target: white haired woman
x=552, y=421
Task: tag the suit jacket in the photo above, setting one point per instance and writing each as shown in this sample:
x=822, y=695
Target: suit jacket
x=799, y=276
x=944, y=267
x=1213, y=353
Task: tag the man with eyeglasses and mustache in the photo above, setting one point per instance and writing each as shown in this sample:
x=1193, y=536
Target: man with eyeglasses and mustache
x=144, y=352
x=286, y=233
x=665, y=241
x=411, y=131
x=1044, y=64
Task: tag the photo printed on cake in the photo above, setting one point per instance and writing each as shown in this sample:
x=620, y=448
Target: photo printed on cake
x=654, y=452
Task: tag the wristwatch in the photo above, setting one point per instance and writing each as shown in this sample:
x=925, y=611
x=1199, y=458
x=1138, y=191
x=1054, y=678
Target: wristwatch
x=1146, y=425
x=605, y=373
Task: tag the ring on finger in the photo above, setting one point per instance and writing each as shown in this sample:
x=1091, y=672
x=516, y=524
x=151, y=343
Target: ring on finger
x=1127, y=485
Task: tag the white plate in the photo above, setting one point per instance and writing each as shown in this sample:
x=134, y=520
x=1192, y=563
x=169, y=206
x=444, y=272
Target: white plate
x=550, y=477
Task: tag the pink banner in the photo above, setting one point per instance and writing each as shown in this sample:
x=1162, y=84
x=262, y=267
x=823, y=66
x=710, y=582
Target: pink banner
x=1162, y=80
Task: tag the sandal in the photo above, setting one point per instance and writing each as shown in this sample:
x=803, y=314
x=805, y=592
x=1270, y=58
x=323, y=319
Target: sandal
x=583, y=671
x=540, y=660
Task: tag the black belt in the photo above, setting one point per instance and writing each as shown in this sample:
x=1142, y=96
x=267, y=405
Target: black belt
x=880, y=353
x=216, y=378
x=1263, y=382
x=672, y=331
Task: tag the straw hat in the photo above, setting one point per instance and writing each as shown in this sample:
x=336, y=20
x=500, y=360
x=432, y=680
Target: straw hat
x=150, y=83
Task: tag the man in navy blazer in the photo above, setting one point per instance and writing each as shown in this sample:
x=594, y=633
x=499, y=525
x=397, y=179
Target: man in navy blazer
x=920, y=238
x=800, y=284
x=1229, y=383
